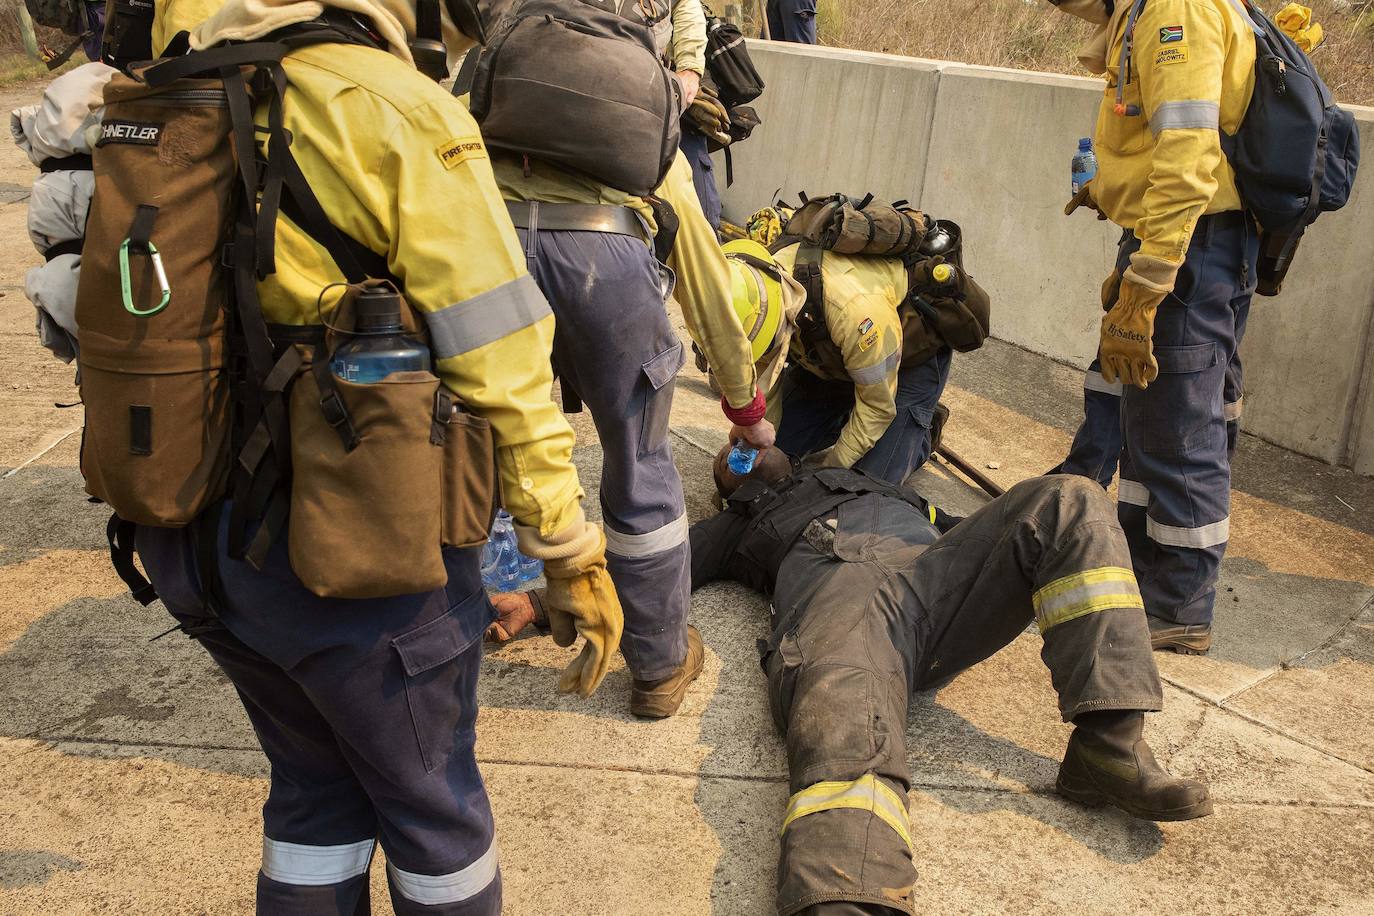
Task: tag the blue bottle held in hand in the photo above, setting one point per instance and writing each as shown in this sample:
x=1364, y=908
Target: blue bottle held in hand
x=741, y=458
x=1084, y=165
x=379, y=345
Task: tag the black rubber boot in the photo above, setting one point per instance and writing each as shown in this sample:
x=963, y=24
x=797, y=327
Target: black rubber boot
x=1108, y=762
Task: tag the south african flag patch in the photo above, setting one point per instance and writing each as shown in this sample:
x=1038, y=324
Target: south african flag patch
x=1170, y=33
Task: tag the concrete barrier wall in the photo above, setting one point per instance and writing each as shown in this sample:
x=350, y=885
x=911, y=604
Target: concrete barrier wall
x=989, y=148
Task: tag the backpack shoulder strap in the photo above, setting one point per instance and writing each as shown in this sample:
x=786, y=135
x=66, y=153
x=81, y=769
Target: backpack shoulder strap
x=811, y=319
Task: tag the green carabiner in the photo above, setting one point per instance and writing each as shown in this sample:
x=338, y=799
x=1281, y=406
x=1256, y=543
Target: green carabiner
x=124, y=286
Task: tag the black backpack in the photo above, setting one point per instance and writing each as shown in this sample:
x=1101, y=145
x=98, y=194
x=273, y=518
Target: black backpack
x=578, y=83
x=1296, y=151
x=729, y=65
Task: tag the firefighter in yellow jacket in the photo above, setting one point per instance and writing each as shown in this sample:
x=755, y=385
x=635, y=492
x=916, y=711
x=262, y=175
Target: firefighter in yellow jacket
x=1179, y=74
x=366, y=708
x=850, y=389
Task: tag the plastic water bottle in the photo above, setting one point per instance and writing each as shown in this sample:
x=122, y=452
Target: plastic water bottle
x=501, y=557
x=530, y=568
x=380, y=345
x=741, y=458
x=1084, y=164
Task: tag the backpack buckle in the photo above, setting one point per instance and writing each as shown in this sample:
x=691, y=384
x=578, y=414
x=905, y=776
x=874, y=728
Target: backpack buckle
x=126, y=287
x=332, y=406
x=430, y=58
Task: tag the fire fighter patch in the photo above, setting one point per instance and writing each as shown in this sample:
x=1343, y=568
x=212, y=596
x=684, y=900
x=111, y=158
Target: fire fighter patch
x=455, y=152
x=140, y=133
x=1176, y=55
x=1170, y=33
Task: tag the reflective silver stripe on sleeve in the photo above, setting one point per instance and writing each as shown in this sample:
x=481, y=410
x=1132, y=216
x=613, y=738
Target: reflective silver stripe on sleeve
x=476, y=322
x=314, y=866
x=1203, y=536
x=1093, y=381
x=1132, y=493
x=454, y=887
x=1233, y=409
x=649, y=543
x=1185, y=116
x=872, y=375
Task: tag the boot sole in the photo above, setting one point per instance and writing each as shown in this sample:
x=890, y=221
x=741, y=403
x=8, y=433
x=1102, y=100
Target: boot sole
x=663, y=707
x=1091, y=797
x=1185, y=645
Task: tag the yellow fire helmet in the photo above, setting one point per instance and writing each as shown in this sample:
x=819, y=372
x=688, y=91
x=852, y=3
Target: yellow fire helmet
x=756, y=293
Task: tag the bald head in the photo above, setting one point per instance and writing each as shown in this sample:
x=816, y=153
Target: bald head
x=770, y=467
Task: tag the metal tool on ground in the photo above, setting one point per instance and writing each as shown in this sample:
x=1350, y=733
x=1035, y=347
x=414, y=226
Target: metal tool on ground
x=984, y=481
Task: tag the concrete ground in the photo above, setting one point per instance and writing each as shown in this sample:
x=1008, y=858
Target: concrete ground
x=130, y=781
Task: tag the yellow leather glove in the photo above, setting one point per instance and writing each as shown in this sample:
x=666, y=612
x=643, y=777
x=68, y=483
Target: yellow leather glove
x=581, y=600
x=1111, y=289
x=1127, y=349
x=1084, y=198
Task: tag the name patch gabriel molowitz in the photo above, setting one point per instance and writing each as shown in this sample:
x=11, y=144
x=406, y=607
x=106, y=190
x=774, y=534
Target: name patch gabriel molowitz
x=142, y=133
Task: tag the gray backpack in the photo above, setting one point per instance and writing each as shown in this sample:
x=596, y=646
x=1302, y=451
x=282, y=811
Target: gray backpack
x=579, y=83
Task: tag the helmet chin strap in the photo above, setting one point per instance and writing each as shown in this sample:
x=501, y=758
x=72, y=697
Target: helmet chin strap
x=431, y=58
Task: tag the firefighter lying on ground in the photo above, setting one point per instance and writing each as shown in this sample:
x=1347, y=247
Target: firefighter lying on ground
x=872, y=603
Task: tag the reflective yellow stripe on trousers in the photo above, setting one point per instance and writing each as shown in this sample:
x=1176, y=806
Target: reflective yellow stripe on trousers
x=1084, y=593
x=866, y=793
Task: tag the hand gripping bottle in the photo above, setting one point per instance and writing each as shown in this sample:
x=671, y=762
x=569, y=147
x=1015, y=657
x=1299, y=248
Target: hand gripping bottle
x=1084, y=166
x=379, y=345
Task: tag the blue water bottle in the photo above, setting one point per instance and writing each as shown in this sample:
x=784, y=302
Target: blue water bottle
x=741, y=459
x=501, y=556
x=379, y=345
x=1084, y=164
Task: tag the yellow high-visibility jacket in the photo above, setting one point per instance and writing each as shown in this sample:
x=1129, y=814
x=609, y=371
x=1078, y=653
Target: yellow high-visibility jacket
x=1192, y=75
x=400, y=167
x=861, y=300
x=703, y=276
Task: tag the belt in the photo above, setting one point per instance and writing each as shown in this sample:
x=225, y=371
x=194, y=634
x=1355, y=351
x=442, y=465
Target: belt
x=536, y=215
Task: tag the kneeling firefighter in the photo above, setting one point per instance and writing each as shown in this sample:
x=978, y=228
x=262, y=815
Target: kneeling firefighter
x=606, y=212
x=866, y=301
x=304, y=379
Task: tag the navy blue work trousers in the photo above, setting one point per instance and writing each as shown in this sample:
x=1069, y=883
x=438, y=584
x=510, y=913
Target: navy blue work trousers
x=366, y=711
x=792, y=20
x=1174, y=500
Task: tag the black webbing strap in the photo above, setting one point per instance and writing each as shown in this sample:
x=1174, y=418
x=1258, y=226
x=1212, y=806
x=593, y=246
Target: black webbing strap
x=427, y=50
x=811, y=319
x=66, y=53
x=70, y=246
x=120, y=534
x=216, y=62
x=76, y=162
x=141, y=229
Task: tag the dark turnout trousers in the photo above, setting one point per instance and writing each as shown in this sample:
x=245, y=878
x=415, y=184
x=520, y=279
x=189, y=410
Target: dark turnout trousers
x=870, y=605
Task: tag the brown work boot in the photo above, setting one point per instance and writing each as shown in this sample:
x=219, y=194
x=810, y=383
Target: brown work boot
x=1108, y=762
x=660, y=699
x=1183, y=638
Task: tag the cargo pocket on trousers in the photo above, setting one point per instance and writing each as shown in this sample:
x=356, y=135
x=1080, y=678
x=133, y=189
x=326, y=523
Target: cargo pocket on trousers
x=1181, y=404
x=781, y=665
x=440, y=679
x=469, y=488
x=659, y=372
x=365, y=522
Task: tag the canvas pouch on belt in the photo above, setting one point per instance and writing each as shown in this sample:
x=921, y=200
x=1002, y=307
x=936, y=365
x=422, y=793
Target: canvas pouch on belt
x=369, y=518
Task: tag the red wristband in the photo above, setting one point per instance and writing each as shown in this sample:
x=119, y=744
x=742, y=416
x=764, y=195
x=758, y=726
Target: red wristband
x=748, y=415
